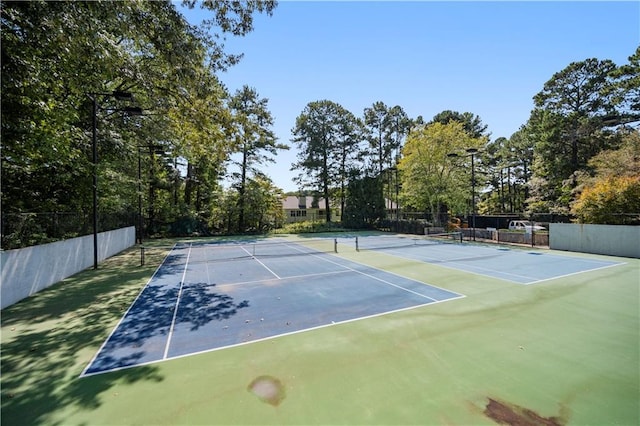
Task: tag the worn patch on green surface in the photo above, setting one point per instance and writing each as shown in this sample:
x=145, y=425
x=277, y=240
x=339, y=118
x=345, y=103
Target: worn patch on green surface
x=268, y=389
x=510, y=414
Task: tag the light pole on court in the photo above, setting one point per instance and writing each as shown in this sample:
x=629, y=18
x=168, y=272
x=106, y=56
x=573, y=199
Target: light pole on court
x=470, y=152
x=121, y=96
x=153, y=149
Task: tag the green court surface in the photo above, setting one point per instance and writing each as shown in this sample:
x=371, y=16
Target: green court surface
x=561, y=351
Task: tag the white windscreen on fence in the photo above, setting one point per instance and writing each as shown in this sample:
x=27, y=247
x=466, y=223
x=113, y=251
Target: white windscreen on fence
x=612, y=240
x=28, y=270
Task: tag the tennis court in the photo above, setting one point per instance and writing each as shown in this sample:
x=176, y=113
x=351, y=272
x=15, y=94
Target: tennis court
x=209, y=296
x=298, y=334
x=512, y=264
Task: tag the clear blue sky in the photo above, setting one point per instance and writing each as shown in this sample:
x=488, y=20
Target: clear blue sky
x=487, y=58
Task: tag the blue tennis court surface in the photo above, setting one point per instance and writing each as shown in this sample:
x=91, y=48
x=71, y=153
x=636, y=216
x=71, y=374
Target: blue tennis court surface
x=213, y=296
x=516, y=265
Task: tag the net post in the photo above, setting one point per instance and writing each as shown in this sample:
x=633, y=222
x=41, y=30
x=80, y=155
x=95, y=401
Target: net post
x=357, y=247
x=141, y=255
x=335, y=245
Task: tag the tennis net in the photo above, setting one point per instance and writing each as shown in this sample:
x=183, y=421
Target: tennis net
x=395, y=241
x=229, y=251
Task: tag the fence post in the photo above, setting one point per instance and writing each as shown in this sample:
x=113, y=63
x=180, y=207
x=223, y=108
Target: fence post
x=533, y=237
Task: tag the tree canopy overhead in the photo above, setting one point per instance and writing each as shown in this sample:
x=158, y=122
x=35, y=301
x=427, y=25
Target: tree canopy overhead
x=57, y=55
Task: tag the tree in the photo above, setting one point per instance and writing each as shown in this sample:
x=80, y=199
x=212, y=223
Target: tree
x=610, y=193
x=508, y=162
x=521, y=147
x=495, y=200
x=625, y=91
x=613, y=200
x=545, y=186
x=380, y=129
x=577, y=89
x=385, y=129
x=375, y=125
x=430, y=180
x=201, y=129
x=348, y=151
x=321, y=130
x=472, y=124
x=399, y=125
x=568, y=125
x=264, y=202
x=227, y=17
x=364, y=204
x=254, y=139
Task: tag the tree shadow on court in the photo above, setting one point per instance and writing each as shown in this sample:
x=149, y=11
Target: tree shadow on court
x=172, y=262
x=200, y=305
x=141, y=336
x=47, y=340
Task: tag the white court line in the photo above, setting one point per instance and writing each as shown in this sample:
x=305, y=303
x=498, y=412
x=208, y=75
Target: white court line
x=495, y=273
x=391, y=273
x=258, y=260
x=175, y=310
x=379, y=279
x=318, y=274
x=474, y=269
x=576, y=273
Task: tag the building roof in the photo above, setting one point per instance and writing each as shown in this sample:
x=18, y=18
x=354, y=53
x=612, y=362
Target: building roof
x=292, y=202
x=390, y=204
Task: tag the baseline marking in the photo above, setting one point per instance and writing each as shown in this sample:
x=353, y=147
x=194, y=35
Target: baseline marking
x=576, y=273
x=250, y=342
x=489, y=272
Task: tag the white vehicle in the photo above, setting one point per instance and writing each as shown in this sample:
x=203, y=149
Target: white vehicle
x=524, y=225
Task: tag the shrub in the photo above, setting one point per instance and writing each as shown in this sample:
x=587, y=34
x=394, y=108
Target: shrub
x=612, y=200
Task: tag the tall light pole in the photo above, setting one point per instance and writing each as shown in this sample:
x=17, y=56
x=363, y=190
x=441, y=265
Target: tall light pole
x=153, y=149
x=471, y=152
x=139, y=196
x=118, y=95
x=397, y=185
